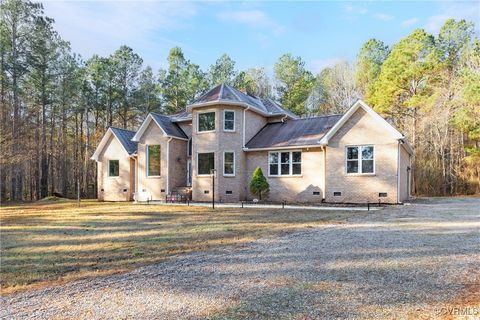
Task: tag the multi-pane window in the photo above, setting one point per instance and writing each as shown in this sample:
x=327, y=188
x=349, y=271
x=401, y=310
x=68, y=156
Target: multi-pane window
x=206, y=163
x=206, y=121
x=153, y=160
x=273, y=163
x=229, y=120
x=285, y=163
x=113, y=168
x=229, y=163
x=360, y=159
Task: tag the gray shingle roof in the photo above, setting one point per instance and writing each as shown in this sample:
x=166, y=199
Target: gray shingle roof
x=181, y=116
x=171, y=128
x=125, y=138
x=226, y=93
x=297, y=132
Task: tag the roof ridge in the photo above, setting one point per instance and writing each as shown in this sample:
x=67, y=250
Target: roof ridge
x=315, y=117
x=117, y=128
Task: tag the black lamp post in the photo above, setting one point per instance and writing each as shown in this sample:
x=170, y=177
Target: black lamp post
x=213, y=173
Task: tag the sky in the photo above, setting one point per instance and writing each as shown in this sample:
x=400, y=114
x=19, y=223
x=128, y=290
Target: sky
x=254, y=34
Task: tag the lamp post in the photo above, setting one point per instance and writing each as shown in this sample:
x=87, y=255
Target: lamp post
x=213, y=173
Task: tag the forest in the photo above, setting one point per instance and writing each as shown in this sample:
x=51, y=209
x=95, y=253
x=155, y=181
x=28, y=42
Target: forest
x=56, y=105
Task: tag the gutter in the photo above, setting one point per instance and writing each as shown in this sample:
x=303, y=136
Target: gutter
x=284, y=148
x=230, y=103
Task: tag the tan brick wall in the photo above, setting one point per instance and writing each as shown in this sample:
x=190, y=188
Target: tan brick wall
x=219, y=142
x=404, y=174
x=253, y=123
x=291, y=188
x=151, y=187
x=361, y=129
x=113, y=187
x=178, y=163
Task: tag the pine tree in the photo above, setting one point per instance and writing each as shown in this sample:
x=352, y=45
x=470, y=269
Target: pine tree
x=259, y=185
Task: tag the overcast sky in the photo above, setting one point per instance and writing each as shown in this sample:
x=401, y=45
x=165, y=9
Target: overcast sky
x=254, y=34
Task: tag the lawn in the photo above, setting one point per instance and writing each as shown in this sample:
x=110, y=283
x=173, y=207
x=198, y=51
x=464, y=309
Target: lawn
x=53, y=242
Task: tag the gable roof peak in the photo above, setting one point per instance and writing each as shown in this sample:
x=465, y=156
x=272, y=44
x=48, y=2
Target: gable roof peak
x=124, y=136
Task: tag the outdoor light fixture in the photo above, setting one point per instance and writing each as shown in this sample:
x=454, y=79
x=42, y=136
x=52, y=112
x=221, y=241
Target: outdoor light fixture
x=213, y=173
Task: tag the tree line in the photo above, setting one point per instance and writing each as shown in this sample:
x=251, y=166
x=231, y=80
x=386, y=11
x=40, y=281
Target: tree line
x=56, y=106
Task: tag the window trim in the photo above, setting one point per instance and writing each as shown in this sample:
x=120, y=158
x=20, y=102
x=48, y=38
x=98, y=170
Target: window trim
x=109, y=160
x=214, y=123
x=290, y=164
x=234, y=116
x=359, y=160
x=234, y=164
x=198, y=163
x=148, y=161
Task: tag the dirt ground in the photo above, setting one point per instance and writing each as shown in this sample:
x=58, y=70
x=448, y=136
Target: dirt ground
x=418, y=261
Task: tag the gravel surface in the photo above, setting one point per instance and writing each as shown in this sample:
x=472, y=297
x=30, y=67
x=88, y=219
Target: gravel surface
x=401, y=262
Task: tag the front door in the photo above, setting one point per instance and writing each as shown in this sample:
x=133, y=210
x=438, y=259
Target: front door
x=189, y=172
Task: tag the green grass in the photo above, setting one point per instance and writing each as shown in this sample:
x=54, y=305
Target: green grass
x=55, y=241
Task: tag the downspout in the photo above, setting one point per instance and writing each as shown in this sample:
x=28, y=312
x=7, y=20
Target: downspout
x=245, y=177
x=168, y=165
x=398, y=171
x=324, y=150
x=136, y=179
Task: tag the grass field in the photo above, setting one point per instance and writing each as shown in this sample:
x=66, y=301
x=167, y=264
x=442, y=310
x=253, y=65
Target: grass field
x=52, y=242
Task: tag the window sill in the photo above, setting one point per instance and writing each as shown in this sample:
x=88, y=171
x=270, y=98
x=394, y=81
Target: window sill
x=287, y=176
x=203, y=175
x=202, y=132
x=229, y=175
x=113, y=177
x=229, y=131
x=153, y=177
x=360, y=174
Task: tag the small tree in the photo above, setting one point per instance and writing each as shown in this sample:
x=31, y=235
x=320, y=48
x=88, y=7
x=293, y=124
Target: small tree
x=259, y=185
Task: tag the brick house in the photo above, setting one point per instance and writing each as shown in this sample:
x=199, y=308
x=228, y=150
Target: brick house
x=355, y=157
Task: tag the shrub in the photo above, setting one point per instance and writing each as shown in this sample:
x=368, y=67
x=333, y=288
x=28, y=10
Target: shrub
x=259, y=185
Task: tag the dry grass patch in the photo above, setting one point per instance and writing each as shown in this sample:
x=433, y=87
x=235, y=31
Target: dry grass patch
x=49, y=242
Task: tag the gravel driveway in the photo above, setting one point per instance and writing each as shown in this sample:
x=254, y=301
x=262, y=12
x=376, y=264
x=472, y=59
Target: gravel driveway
x=414, y=261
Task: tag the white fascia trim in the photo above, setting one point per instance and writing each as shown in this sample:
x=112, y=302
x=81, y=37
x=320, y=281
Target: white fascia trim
x=227, y=103
x=144, y=126
x=284, y=148
x=350, y=112
x=103, y=142
x=406, y=145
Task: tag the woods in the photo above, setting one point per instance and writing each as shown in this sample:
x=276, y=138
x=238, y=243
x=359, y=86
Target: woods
x=56, y=105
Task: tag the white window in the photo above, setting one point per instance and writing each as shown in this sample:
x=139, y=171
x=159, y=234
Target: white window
x=360, y=159
x=228, y=163
x=153, y=160
x=287, y=163
x=229, y=120
x=205, y=163
x=206, y=121
x=113, y=168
